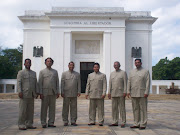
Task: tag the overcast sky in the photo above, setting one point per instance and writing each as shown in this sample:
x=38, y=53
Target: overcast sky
x=166, y=30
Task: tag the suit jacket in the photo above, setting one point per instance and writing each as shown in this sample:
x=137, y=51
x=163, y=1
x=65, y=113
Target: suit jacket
x=27, y=83
x=70, y=84
x=138, y=82
x=96, y=85
x=118, y=83
x=48, y=81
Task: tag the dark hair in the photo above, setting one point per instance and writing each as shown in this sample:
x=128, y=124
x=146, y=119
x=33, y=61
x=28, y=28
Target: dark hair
x=118, y=63
x=138, y=59
x=71, y=62
x=27, y=59
x=96, y=64
x=50, y=59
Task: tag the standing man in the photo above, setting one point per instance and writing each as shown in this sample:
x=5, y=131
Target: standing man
x=27, y=88
x=138, y=89
x=117, y=90
x=49, y=91
x=96, y=90
x=70, y=90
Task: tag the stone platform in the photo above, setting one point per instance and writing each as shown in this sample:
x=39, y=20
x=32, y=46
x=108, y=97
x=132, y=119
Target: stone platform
x=163, y=119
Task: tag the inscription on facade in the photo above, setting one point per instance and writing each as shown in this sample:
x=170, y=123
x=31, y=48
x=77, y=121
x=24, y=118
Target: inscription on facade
x=87, y=23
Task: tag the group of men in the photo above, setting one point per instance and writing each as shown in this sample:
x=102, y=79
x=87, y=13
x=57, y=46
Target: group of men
x=136, y=86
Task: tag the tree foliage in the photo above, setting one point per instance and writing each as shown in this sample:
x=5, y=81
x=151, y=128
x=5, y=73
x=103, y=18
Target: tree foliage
x=10, y=62
x=167, y=69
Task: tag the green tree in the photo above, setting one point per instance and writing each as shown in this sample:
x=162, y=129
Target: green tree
x=175, y=68
x=166, y=69
x=10, y=62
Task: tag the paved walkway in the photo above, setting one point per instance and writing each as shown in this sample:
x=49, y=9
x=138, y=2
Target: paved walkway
x=163, y=119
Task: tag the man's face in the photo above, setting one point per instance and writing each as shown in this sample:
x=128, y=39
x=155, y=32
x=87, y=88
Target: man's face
x=48, y=63
x=27, y=64
x=96, y=68
x=116, y=66
x=138, y=63
x=71, y=66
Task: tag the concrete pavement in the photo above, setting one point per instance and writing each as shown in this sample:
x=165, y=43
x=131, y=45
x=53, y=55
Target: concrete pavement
x=163, y=119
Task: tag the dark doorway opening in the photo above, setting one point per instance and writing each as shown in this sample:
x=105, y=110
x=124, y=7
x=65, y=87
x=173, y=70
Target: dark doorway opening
x=85, y=69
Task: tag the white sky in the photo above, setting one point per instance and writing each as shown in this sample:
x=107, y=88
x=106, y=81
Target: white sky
x=166, y=30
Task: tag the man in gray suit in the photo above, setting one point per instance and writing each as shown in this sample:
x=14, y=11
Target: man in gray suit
x=138, y=89
x=49, y=91
x=70, y=90
x=117, y=90
x=27, y=88
x=96, y=90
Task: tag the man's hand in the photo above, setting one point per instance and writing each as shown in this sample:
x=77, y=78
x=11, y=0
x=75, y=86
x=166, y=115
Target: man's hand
x=103, y=96
x=57, y=96
x=124, y=94
x=41, y=96
x=62, y=95
x=128, y=95
x=145, y=95
x=109, y=96
x=79, y=94
x=21, y=95
x=86, y=96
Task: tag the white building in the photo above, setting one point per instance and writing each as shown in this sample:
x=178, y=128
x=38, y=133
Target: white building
x=87, y=35
x=8, y=86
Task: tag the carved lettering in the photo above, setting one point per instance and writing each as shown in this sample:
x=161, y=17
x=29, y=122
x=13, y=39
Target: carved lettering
x=87, y=23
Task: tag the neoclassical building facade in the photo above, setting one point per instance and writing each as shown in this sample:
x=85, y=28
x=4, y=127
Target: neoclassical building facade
x=88, y=35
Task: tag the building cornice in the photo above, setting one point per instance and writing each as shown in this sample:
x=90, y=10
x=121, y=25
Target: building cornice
x=151, y=20
x=56, y=12
x=33, y=18
x=122, y=15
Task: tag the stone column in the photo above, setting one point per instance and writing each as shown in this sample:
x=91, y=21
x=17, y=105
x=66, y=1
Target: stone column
x=4, y=88
x=107, y=54
x=67, y=48
x=15, y=88
x=150, y=56
x=57, y=49
x=118, y=47
x=157, y=89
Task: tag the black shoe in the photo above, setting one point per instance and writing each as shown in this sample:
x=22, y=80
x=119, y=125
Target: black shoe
x=22, y=128
x=100, y=124
x=31, y=127
x=142, y=128
x=44, y=126
x=90, y=124
x=134, y=127
x=73, y=124
x=113, y=125
x=53, y=126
